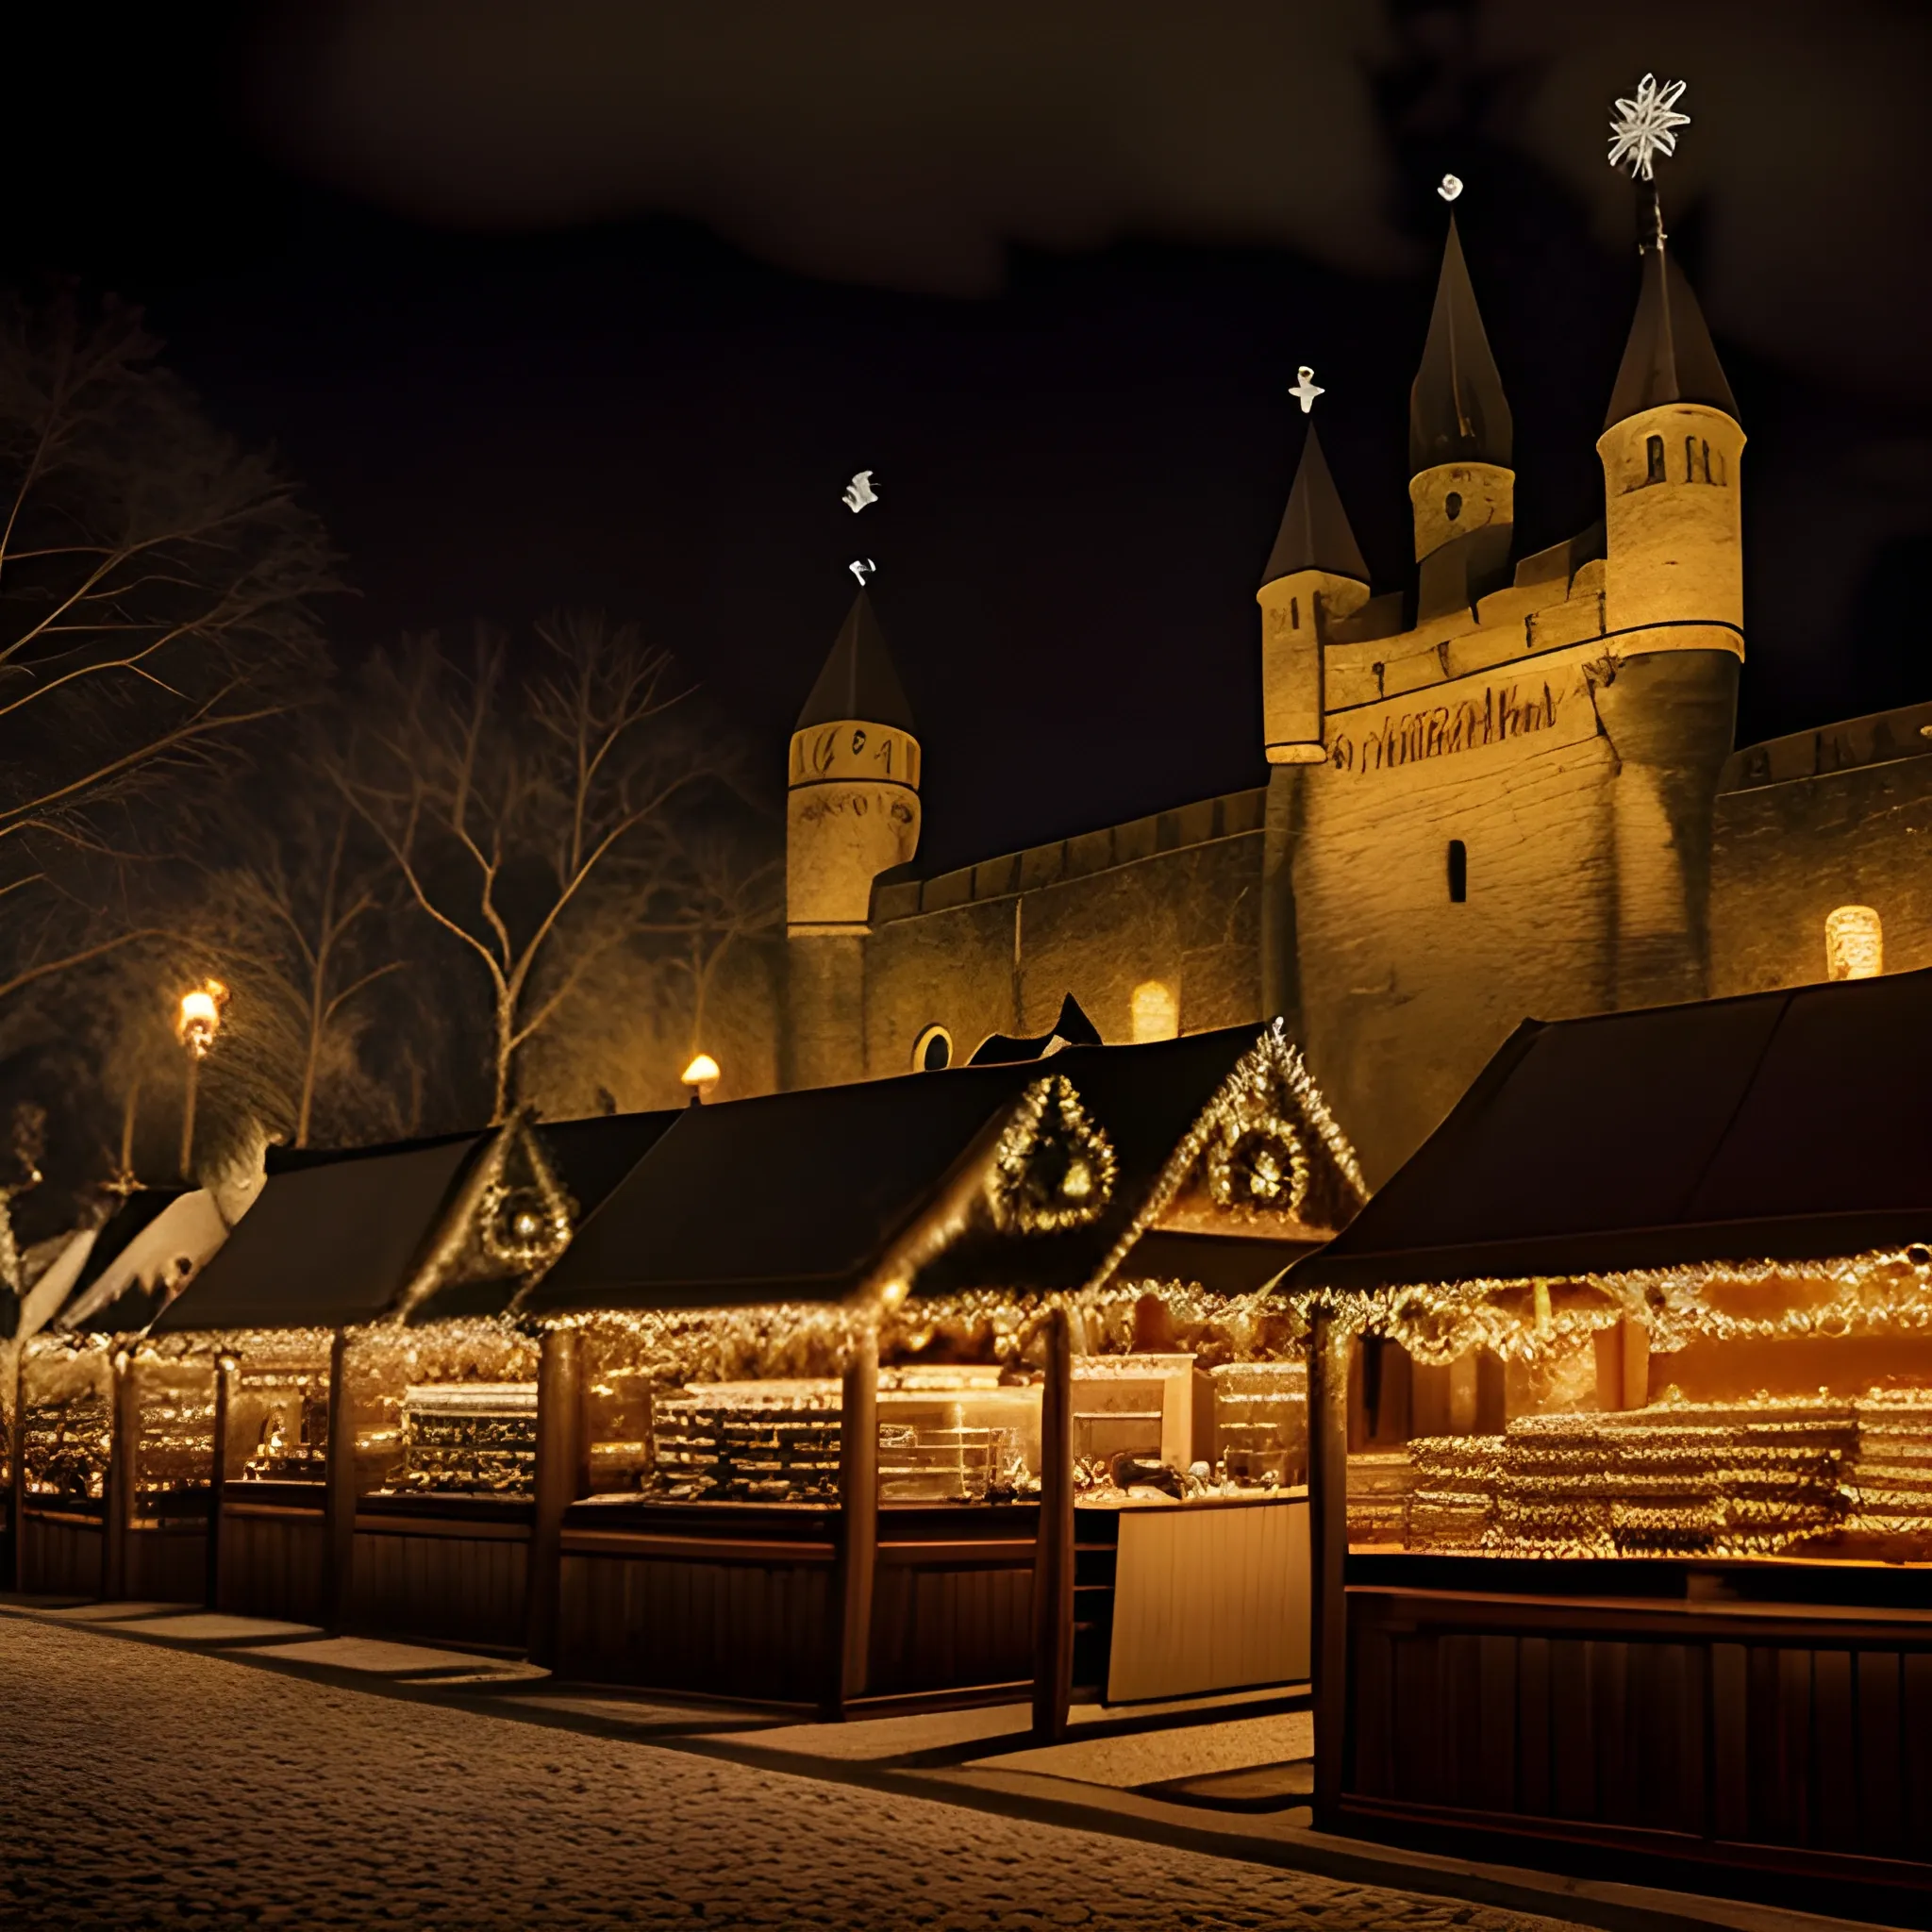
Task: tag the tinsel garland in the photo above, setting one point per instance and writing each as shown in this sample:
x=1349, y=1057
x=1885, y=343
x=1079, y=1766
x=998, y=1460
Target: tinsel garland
x=774, y=1340
x=1267, y=1084
x=1053, y=1168
x=1885, y=1292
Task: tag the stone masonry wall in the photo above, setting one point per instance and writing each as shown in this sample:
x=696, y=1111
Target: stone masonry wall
x=994, y=947
x=1824, y=818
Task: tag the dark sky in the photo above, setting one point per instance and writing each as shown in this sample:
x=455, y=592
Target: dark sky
x=599, y=303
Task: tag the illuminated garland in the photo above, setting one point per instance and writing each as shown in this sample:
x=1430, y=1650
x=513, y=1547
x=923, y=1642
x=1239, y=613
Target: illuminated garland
x=1052, y=1169
x=777, y=1340
x=1267, y=1087
x=1885, y=1292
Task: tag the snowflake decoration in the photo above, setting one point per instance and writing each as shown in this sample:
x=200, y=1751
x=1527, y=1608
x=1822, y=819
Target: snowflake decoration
x=1646, y=126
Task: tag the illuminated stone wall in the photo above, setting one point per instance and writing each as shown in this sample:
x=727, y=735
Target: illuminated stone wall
x=1807, y=824
x=1404, y=994
x=994, y=947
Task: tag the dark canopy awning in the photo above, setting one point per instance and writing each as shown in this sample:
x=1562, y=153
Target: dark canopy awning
x=801, y=1196
x=1790, y=1126
x=328, y=1243
x=587, y=1159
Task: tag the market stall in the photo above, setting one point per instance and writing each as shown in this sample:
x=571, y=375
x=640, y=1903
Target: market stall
x=81, y=1389
x=962, y=1261
x=324, y=1250
x=1622, y=1448
x=378, y=1413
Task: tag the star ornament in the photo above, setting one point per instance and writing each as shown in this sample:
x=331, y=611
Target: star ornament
x=1646, y=126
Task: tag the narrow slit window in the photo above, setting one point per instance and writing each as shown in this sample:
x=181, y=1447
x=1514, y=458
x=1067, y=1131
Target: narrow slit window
x=1690, y=460
x=1294, y=613
x=1458, y=873
x=1654, y=451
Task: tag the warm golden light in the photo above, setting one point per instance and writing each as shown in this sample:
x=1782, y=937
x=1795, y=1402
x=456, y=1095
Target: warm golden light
x=200, y=1017
x=1157, y=1011
x=1853, y=944
x=702, y=1074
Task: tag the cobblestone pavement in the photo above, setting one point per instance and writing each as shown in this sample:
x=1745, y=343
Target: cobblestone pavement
x=153, y=1787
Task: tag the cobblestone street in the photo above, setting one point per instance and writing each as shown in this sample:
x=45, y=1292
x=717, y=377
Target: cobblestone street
x=154, y=1786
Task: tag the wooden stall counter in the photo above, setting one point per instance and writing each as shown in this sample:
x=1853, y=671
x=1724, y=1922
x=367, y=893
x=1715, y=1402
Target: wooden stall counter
x=1177, y=1599
x=744, y=1600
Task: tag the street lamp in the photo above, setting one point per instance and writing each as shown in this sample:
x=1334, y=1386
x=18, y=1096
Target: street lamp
x=196, y=1022
x=700, y=1076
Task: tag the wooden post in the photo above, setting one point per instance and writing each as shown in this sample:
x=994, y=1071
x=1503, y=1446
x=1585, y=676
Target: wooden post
x=339, y=1493
x=123, y=1441
x=16, y=1509
x=1328, y=1368
x=1053, y=1551
x=218, y=1478
x=859, y=1517
x=558, y=1479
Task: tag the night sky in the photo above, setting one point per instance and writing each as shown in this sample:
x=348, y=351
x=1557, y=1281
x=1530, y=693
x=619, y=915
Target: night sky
x=601, y=305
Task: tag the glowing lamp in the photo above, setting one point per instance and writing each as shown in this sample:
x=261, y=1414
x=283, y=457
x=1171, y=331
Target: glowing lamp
x=1853, y=944
x=700, y=1076
x=200, y=1016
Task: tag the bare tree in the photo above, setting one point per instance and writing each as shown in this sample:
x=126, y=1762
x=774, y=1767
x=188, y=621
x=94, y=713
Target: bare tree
x=303, y=930
x=519, y=803
x=155, y=583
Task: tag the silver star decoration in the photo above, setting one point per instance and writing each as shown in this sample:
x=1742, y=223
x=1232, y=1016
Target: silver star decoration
x=862, y=567
x=1305, y=391
x=858, y=492
x=1450, y=187
x=1646, y=126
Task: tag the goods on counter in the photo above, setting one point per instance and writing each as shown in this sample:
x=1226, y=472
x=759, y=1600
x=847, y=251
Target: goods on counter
x=469, y=1439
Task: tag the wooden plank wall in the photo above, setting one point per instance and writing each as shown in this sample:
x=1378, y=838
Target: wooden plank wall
x=956, y=1623
x=448, y=1589
x=60, y=1557
x=272, y=1562
x=167, y=1563
x=759, y=1628
x=1734, y=1740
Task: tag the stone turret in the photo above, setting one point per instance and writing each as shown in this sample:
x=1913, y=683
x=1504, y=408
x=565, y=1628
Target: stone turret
x=1673, y=619
x=1315, y=573
x=1461, y=440
x=1671, y=448
x=852, y=812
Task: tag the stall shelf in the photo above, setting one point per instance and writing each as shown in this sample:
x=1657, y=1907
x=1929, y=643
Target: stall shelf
x=1622, y=1448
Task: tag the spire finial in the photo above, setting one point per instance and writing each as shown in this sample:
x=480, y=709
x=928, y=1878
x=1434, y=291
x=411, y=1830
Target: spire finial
x=1306, y=388
x=1645, y=125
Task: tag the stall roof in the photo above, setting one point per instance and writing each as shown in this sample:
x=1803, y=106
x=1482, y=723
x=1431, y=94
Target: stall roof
x=1795, y=1125
x=587, y=1157
x=150, y=1247
x=800, y=1197
x=326, y=1244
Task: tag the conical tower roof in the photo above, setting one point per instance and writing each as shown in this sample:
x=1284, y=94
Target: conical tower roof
x=859, y=680
x=1457, y=413
x=1315, y=533
x=1669, y=357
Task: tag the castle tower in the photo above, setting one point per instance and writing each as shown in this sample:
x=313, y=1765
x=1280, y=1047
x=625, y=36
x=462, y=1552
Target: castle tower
x=1315, y=572
x=1460, y=437
x=852, y=812
x=1673, y=615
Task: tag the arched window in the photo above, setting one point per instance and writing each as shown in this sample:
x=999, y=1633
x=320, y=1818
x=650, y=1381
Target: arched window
x=1654, y=454
x=1853, y=944
x=932, y=1051
x=1458, y=873
x=1157, y=1011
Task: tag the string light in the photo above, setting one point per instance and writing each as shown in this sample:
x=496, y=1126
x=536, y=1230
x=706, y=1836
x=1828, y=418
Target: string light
x=1267, y=1089
x=1052, y=1169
